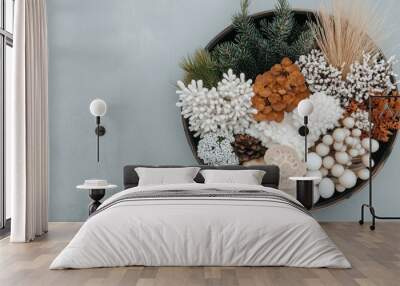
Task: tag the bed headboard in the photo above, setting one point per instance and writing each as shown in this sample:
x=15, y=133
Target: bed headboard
x=271, y=177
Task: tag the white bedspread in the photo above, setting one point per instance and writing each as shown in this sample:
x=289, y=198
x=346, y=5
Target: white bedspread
x=200, y=231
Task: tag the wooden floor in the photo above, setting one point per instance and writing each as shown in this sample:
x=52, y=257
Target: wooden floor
x=375, y=257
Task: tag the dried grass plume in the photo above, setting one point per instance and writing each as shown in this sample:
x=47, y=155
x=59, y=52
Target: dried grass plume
x=346, y=29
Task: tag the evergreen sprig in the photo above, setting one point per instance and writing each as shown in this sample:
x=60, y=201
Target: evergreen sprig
x=286, y=37
x=200, y=66
x=255, y=48
x=280, y=29
x=243, y=54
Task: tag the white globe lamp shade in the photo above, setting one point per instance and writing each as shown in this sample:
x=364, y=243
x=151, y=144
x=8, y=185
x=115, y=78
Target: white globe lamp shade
x=305, y=107
x=98, y=107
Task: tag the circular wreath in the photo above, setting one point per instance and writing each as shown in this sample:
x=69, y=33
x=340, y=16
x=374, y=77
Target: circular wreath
x=297, y=69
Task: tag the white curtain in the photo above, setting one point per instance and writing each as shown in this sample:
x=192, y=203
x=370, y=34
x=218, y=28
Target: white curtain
x=28, y=123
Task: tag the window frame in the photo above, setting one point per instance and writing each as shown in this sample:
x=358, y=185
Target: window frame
x=6, y=39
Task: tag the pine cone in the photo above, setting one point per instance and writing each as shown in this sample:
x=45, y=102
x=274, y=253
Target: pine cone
x=248, y=148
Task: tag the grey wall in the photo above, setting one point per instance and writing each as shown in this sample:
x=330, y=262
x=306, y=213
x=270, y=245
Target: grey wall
x=127, y=52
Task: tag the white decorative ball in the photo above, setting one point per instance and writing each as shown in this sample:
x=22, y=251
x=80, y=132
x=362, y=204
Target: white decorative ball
x=347, y=132
x=337, y=170
x=327, y=139
x=348, y=122
x=353, y=152
x=324, y=172
x=361, y=151
x=316, y=194
x=326, y=188
x=356, y=140
x=363, y=174
x=339, y=134
x=305, y=107
x=374, y=144
x=344, y=148
x=315, y=173
x=356, y=132
x=328, y=162
x=365, y=143
x=342, y=157
x=314, y=161
x=349, y=140
x=338, y=146
x=365, y=160
x=322, y=149
x=340, y=188
x=348, y=179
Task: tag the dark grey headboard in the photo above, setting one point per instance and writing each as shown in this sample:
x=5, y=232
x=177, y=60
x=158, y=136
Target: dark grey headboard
x=271, y=177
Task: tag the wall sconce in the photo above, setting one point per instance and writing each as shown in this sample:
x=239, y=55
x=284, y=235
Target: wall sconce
x=305, y=108
x=98, y=108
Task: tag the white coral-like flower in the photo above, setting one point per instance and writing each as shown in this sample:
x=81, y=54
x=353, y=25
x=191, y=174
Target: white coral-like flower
x=321, y=76
x=372, y=75
x=361, y=119
x=282, y=133
x=326, y=115
x=216, y=149
x=227, y=107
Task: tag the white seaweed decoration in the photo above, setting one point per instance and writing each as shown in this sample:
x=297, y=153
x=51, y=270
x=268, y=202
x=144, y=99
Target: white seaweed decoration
x=227, y=107
x=216, y=149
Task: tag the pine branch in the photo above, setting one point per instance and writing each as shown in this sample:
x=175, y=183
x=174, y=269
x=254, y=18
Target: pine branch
x=243, y=54
x=200, y=66
x=241, y=21
x=225, y=55
x=255, y=48
x=286, y=37
x=303, y=44
x=282, y=25
x=247, y=63
x=248, y=34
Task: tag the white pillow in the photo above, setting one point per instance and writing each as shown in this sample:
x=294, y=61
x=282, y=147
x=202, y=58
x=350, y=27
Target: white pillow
x=165, y=176
x=247, y=177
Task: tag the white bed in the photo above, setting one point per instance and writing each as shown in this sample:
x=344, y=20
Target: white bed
x=202, y=231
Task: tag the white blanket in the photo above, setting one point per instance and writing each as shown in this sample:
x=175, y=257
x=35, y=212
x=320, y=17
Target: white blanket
x=200, y=231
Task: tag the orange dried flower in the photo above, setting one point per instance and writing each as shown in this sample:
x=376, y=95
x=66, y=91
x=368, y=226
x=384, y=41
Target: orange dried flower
x=353, y=106
x=385, y=117
x=278, y=90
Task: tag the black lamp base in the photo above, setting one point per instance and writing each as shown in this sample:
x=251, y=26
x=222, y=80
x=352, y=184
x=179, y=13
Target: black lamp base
x=304, y=192
x=96, y=195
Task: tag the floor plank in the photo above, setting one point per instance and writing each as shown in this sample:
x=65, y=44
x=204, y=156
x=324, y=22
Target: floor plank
x=375, y=257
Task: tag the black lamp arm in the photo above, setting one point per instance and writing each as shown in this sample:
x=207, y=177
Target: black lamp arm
x=305, y=120
x=100, y=131
x=305, y=138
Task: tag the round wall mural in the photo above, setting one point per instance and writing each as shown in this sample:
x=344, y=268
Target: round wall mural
x=240, y=95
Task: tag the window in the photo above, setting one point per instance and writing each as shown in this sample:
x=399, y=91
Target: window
x=6, y=60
